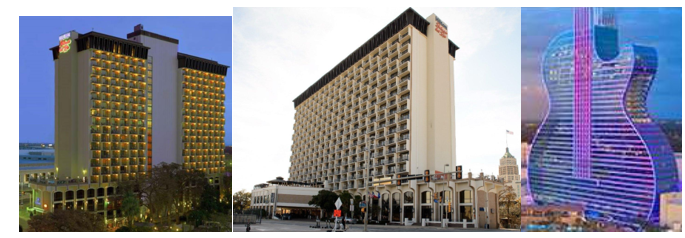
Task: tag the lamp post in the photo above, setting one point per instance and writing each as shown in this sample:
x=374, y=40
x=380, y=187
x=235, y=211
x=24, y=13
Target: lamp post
x=443, y=198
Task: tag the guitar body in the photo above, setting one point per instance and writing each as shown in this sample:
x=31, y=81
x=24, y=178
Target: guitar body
x=598, y=147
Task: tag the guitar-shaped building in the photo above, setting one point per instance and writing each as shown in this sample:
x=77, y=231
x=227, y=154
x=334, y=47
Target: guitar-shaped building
x=597, y=146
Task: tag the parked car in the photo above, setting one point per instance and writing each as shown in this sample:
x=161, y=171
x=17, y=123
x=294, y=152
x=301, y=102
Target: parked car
x=350, y=220
x=287, y=217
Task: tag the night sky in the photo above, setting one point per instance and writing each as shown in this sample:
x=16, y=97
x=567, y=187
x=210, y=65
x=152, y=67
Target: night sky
x=207, y=37
x=656, y=27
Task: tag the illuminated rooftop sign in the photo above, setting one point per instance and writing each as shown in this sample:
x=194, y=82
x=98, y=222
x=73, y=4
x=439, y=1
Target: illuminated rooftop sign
x=65, y=42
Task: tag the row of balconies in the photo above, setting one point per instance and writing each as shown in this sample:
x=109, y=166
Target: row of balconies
x=205, y=146
x=117, y=130
x=116, y=58
x=202, y=133
x=358, y=74
x=119, y=121
x=212, y=106
x=301, y=123
x=210, y=82
x=96, y=162
x=204, y=98
x=349, y=97
x=103, y=88
x=117, y=146
x=402, y=147
x=378, y=134
x=117, y=82
x=113, y=98
x=379, y=117
x=117, y=138
x=114, y=154
x=202, y=125
x=204, y=94
x=197, y=114
x=137, y=76
x=189, y=73
x=203, y=87
x=194, y=152
x=193, y=139
x=342, y=94
x=203, y=158
x=102, y=64
x=131, y=111
x=403, y=158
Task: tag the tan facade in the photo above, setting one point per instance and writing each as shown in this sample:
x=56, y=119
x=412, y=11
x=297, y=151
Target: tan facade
x=508, y=168
x=104, y=112
x=203, y=121
x=385, y=112
x=390, y=113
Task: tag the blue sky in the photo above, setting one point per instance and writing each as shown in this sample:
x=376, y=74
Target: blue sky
x=207, y=37
x=656, y=27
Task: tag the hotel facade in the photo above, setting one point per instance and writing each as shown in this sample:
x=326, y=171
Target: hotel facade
x=387, y=112
x=122, y=105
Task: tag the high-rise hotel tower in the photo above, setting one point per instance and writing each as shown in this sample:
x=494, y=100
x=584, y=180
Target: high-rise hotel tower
x=598, y=147
x=122, y=105
x=385, y=111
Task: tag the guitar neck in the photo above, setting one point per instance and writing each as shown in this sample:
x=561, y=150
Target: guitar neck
x=582, y=61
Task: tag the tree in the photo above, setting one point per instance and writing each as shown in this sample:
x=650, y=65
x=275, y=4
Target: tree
x=511, y=206
x=191, y=184
x=162, y=189
x=345, y=197
x=67, y=220
x=242, y=200
x=325, y=200
x=209, y=200
x=130, y=206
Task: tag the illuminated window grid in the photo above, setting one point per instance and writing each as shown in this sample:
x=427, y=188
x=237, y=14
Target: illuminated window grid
x=203, y=121
x=358, y=122
x=118, y=116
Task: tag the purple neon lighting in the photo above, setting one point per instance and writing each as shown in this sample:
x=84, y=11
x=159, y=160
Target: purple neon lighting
x=582, y=62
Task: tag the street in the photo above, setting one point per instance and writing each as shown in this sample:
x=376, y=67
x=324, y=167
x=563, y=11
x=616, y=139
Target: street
x=303, y=226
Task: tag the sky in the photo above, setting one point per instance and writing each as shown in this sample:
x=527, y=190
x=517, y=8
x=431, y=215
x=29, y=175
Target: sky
x=206, y=37
x=656, y=27
x=281, y=52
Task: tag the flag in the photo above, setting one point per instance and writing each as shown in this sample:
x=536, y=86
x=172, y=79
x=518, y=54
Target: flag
x=510, y=132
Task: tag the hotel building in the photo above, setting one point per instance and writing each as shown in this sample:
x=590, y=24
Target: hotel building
x=121, y=104
x=598, y=147
x=385, y=112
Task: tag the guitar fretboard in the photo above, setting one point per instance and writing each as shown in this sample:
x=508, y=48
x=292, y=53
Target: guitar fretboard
x=583, y=53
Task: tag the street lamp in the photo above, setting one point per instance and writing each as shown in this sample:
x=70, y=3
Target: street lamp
x=442, y=199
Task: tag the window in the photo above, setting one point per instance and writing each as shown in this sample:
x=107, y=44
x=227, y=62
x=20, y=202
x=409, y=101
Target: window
x=426, y=197
x=465, y=196
x=466, y=213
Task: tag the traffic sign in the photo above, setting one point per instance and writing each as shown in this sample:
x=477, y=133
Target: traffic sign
x=337, y=213
x=362, y=204
x=352, y=208
x=338, y=203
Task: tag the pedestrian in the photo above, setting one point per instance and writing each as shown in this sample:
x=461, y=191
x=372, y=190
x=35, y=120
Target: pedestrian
x=343, y=224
